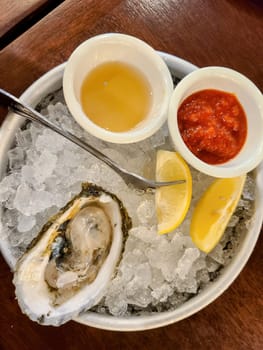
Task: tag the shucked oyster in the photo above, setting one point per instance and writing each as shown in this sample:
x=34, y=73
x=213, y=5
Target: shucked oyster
x=67, y=267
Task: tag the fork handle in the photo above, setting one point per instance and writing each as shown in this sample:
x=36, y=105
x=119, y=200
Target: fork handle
x=27, y=112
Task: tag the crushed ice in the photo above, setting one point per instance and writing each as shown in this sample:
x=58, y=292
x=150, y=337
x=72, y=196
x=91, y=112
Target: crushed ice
x=157, y=272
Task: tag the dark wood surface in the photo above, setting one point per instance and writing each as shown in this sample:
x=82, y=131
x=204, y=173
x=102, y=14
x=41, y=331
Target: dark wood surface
x=17, y=16
x=13, y=12
x=220, y=32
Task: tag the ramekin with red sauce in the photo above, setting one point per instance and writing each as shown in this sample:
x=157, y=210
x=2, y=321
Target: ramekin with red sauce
x=215, y=121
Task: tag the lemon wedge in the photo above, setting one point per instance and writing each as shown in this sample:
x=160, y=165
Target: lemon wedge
x=214, y=210
x=172, y=202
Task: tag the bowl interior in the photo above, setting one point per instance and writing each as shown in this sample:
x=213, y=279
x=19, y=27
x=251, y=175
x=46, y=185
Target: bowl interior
x=50, y=82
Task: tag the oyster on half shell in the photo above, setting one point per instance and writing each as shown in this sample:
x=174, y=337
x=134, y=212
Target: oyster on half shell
x=69, y=264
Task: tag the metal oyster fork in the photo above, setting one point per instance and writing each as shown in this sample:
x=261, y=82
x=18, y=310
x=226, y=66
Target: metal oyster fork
x=137, y=181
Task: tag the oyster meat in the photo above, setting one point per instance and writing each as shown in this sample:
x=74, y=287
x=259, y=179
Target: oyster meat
x=68, y=266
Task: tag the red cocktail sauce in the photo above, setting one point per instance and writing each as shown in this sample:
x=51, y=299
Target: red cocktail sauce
x=213, y=125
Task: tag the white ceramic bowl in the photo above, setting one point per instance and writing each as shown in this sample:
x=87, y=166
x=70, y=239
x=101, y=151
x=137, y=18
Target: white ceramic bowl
x=126, y=49
x=50, y=82
x=225, y=79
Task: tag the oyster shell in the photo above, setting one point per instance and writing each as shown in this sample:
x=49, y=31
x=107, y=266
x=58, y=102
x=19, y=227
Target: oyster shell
x=69, y=264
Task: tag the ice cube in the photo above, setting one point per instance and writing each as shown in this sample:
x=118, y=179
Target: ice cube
x=16, y=157
x=233, y=221
x=117, y=305
x=137, y=296
x=186, y=262
x=4, y=231
x=211, y=265
x=25, y=223
x=15, y=238
x=163, y=292
x=145, y=234
x=143, y=275
x=50, y=141
x=163, y=257
x=44, y=166
x=22, y=199
x=40, y=200
x=157, y=278
x=115, y=298
x=23, y=138
x=28, y=174
x=35, y=131
x=217, y=254
x=186, y=285
x=30, y=202
x=8, y=186
x=146, y=211
x=249, y=188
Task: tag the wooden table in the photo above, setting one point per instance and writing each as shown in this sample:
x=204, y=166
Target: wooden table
x=220, y=32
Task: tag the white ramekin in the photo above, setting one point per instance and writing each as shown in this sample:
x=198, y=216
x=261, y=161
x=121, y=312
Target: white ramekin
x=251, y=99
x=127, y=49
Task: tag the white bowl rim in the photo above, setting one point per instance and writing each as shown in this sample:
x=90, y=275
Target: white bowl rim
x=225, y=169
x=49, y=82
